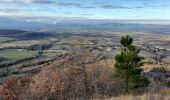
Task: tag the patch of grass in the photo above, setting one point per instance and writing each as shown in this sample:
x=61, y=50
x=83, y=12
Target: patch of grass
x=13, y=55
x=166, y=59
x=5, y=39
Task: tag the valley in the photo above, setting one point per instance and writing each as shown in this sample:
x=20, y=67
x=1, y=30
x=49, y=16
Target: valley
x=30, y=50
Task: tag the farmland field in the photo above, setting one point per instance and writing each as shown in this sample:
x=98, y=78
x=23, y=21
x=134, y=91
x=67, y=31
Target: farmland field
x=5, y=39
x=13, y=55
x=22, y=43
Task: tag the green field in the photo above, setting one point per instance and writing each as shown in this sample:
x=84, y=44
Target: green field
x=5, y=39
x=13, y=55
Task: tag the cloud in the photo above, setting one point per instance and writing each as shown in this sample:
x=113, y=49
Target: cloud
x=76, y=13
x=9, y=10
x=48, y=2
x=79, y=5
x=108, y=6
x=65, y=4
x=24, y=1
x=10, y=1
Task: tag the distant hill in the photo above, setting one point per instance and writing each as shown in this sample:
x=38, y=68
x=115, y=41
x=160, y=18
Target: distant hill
x=20, y=34
x=9, y=32
x=20, y=24
x=115, y=25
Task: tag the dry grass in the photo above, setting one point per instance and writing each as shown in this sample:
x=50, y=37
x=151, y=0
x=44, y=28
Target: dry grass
x=142, y=97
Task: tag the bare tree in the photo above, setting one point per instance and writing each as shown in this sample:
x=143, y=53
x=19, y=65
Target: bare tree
x=81, y=57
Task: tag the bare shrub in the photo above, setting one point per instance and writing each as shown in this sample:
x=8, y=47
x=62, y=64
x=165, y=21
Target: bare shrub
x=15, y=88
x=81, y=74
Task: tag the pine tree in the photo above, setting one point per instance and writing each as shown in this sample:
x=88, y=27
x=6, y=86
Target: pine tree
x=128, y=65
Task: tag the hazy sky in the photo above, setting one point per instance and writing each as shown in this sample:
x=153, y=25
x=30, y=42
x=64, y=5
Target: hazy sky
x=88, y=9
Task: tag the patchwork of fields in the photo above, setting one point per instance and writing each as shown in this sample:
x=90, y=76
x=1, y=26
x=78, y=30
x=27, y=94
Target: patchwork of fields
x=26, y=54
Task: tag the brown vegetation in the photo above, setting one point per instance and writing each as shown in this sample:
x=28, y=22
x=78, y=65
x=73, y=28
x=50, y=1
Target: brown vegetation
x=80, y=74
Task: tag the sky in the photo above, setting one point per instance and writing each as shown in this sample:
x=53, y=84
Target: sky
x=44, y=10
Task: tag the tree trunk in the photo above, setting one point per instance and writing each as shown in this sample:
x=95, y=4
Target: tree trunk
x=127, y=80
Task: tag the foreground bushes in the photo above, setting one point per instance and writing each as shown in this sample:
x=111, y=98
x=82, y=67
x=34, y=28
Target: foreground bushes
x=78, y=75
x=15, y=88
x=56, y=83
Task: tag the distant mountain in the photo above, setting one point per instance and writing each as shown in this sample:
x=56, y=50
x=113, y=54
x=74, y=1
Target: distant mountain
x=9, y=23
x=114, y=25
x=19, y=34
x=8, y=32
